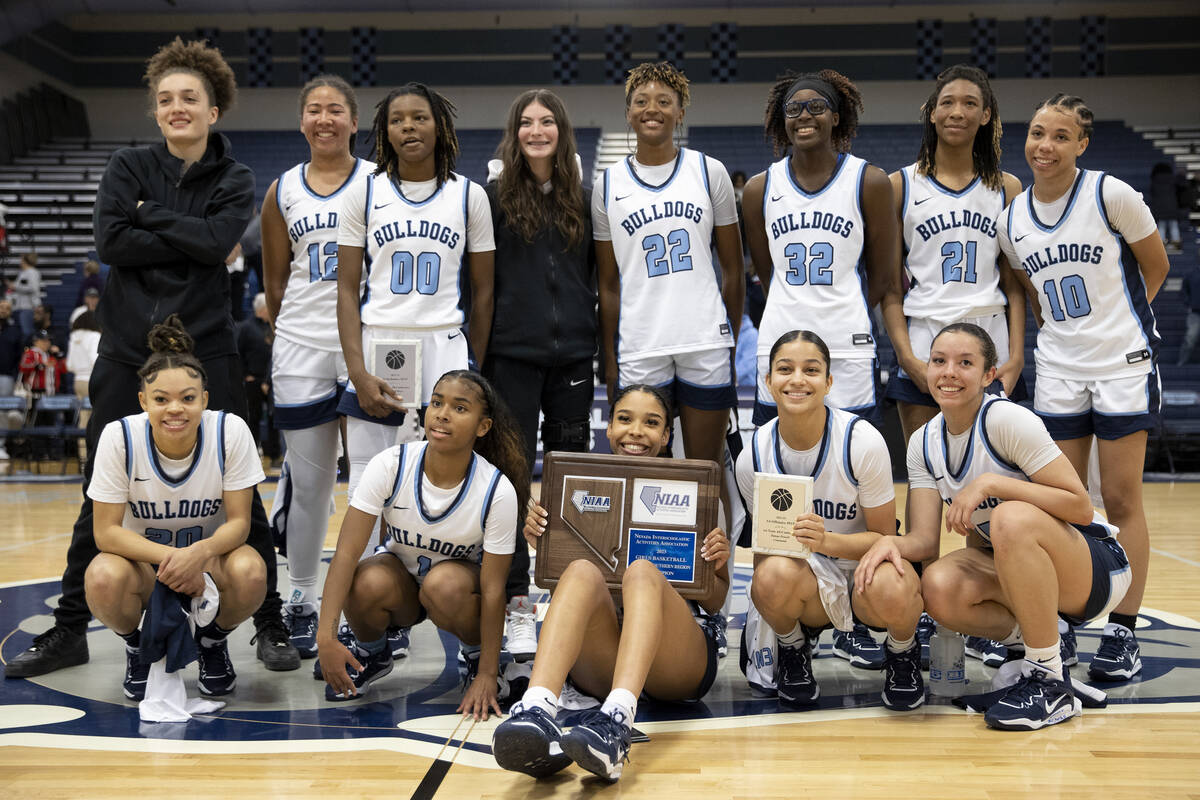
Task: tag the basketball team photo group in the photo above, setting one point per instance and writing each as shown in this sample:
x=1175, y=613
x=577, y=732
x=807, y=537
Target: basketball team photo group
x=479, y=447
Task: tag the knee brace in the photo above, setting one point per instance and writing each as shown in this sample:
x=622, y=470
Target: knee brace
x=572, y=436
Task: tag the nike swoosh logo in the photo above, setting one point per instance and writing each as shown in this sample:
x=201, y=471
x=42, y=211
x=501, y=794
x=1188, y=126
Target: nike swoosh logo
x=141, y=479
x=776, y=198
x=381, y=205
x=576, y=383
x=619, y=199
x=1019, y=238
x=922, y=200
x=454, y=335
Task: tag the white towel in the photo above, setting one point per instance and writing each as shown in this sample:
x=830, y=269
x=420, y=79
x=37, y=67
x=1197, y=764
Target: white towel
x=166, y=696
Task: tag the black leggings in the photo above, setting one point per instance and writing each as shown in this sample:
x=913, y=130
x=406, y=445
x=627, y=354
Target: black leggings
x=113, y=392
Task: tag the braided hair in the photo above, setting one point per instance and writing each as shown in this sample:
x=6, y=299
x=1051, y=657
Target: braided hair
x=663, y=72
x=849, y=106
x=1071, y=103
x=985, y=150
x=171, y=347
x=445, y=149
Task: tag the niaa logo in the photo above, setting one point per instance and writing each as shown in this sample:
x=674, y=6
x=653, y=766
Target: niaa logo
x=653, y=498
x=590, y=502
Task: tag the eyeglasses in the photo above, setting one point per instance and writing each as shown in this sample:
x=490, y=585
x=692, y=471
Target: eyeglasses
x=794, y=108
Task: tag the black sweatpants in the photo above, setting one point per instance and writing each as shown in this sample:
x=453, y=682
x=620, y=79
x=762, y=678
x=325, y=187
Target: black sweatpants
x=113, y=392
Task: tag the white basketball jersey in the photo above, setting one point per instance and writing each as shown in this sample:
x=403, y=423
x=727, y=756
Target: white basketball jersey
x=180, y=511
x=819, y=280
x=950, y=248
x=979, y=458
x=1096, y=320
x=835, y=489
x=420, y=540
x=662, y=239
x=308, y=314
x=415, y=255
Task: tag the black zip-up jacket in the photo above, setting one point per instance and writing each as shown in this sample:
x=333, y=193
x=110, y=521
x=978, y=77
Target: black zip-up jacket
x=168, y=254
x=545, y=292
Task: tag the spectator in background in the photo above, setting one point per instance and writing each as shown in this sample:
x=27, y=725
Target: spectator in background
x=10, y=348
x=26, y=293
x=91, y=299
x=235, y=262
x=254, y=339
x=82, y=350
x=1164, y=203
x=1191, y=299
x=92, y=279
x=43, y=320
x=41, y=366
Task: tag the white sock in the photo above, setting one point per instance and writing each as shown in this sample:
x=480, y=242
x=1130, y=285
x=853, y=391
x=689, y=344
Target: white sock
x=1014, y=637
x=792, y=638
x=303, y=597
x=311, y=470
x=898, y=646
x=621, y=705
x=521, y=605
x=1047, y=658
x=537, y=697
x=1063, y=627
x=1112, y=628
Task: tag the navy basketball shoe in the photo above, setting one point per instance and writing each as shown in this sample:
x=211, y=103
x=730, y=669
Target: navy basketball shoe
x=1118, y=657
x=530, y=741
x=793, y=674
x=599, y=743
x=374, y=667
x=903, y=687
x=1037, y=700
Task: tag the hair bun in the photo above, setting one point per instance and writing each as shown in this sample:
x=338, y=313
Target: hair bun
x=169, y=336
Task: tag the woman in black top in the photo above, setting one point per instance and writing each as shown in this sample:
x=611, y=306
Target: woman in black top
x=544, y=327
x=166, y=216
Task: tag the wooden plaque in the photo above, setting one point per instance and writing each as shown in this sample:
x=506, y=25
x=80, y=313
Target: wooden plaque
x=613, y=510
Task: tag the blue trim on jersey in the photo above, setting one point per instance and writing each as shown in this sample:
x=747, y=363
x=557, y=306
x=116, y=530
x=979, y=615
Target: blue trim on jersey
x=317, y=195
x=398, y=481
x=837, y=170
x=987, y=441
x=704, y=172
x=674, y=172
x=957, y=474
x=941, y=187
x=766, y=193
x=847, y=464
x=861, y=267
x=605, y=179
x=1132, y=282
x=415, y=204
x=822, y=451
x=158, y=470
x=904, y=192
x=348, y=407
x=926, y=432
x=487, y=501
x=221, y=441
x=754, y=450
x=1103, y=208
x=366, y=252
x=279, y=192
x=1066, y=211
x=418, y=479
x=298, y=416
x=128, y=448
x=461, y=305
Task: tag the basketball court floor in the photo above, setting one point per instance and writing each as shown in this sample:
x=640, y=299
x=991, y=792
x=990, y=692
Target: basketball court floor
x=72, y=733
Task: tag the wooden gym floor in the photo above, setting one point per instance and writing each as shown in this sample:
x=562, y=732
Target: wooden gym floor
x=72, y=735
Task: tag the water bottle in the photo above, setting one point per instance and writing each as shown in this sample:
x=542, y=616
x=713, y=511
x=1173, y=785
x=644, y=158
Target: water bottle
x=947, y=667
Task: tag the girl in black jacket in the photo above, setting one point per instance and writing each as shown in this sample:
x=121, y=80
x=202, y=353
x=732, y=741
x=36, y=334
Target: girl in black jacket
x=166, y=216
x=544, y=328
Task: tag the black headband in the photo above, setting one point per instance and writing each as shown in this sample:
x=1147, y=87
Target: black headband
x=821, y=87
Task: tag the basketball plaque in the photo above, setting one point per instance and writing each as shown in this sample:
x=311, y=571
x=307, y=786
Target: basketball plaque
x=778, y=500
x=398, y=362
x=614, y=510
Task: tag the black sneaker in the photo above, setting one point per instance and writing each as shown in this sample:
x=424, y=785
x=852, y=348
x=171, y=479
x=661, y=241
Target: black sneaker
x=530, y=741
x=374, y=668
x=55, y=649
x=598, y=743
x=275, y=648
x=397, y=637
x=302, y=630
x=925, y=628
x=794, y=676
x=346, y=637
x=216, y=670
x=903, y=688
x=858, y=647
x=136, y=674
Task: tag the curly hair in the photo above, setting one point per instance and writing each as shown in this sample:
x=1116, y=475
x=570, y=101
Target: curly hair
x=525, y=206
x=1071, y=103
x=985, y=151
x=171, y=347
x=663, y=72
x=445, y=149
x=199, y=59
x=849, y=107
x=504, y=443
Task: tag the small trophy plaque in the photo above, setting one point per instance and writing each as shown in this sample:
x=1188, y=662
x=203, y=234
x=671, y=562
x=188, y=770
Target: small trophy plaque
x=614, y=510
x=778, y=500
x=398, y=361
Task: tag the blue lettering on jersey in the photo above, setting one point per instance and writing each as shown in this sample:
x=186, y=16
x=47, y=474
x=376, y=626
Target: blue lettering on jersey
x=319, y=220
x=957, y=218
x=812, y=220
x=424, y=229
x=828, y=509
x=1075, y=252
x=174, y=509
x=666, y=210
x=463, y=552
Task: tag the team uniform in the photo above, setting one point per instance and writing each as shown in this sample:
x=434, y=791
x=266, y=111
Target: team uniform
x=174, y=502
x=850, y=468
x=415, y=238
x=308, y=373
x=1007, y=439
x=673, y=329
x=819, y=280
x=1098, y=346
x=425, y=525
x=951, y=258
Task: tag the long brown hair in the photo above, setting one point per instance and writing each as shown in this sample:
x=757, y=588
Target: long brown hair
x=522, y=201
x=985, y=150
